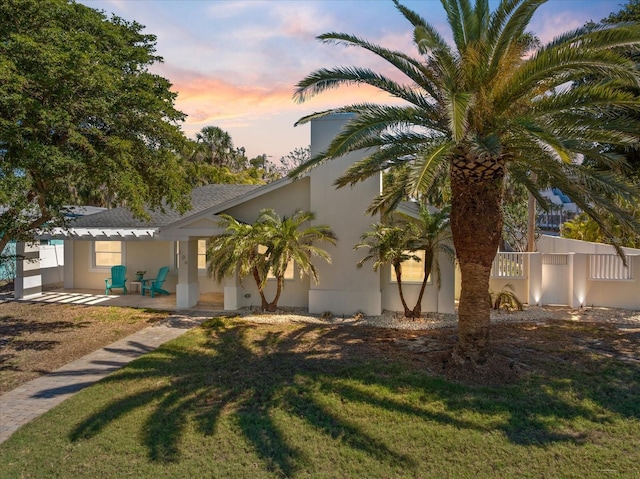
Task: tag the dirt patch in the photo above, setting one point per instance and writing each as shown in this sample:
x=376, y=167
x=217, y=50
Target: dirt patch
x=584, y=339
x=538, y=341
x=36, y=338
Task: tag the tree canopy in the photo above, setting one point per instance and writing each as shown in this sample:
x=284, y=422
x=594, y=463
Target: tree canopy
x=82, y=114
x=215, y=159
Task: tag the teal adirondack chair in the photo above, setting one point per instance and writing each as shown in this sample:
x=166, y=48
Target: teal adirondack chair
x=154, y=285
x=118, y=279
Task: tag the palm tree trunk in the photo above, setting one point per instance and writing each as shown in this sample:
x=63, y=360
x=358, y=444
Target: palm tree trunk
x=428, y=261
x=398, y=270
x=256, y=277
x=273, y=305
x=476, y=226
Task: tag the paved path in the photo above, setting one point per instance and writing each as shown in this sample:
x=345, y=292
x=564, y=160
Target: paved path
x=36, y=397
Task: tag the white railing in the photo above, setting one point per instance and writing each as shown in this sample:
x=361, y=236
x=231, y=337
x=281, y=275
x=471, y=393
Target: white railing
x=609, y=267
x=508, y=265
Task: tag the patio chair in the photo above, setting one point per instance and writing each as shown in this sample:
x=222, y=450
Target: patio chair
x=154, y=285
x=118, y=279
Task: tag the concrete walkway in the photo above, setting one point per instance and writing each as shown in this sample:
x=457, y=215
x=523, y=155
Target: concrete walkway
x=36, y=397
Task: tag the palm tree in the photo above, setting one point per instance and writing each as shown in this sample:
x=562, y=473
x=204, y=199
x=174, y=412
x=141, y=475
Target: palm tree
x=268, y=246
x=238, y=250
x=393, y=244
x=214, y=146
x=492, y=104
x=434, y=236
x=389, y=244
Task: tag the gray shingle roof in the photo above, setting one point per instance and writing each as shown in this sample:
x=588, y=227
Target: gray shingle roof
x=202, y=198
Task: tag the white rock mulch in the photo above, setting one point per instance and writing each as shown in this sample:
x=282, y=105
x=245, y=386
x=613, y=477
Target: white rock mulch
x=395, y=320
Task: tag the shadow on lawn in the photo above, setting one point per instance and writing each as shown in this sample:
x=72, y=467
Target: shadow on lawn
x=249, y=372
x=12, y=331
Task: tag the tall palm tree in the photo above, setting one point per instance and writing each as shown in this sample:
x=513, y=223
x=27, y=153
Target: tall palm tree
x=214, y=146
x=492, y=103
x=267, y=247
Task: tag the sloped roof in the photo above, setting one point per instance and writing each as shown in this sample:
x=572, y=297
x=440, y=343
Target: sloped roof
x=202, y=198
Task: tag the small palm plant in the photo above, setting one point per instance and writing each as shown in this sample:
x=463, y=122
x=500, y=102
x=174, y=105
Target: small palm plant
x=389, y=244
x=505, y=299
x=267, y=246
x=396, y=243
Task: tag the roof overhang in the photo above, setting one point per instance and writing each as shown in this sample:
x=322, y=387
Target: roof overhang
x=101, y=233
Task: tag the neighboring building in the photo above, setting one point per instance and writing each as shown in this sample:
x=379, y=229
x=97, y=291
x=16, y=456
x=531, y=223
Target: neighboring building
x=562, y=209
x=51, y=252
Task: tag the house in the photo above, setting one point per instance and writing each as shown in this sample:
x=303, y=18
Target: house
x=93, y=243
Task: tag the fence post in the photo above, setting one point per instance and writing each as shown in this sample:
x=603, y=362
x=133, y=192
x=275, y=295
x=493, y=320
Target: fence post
x=534, y=276
x=578, y=273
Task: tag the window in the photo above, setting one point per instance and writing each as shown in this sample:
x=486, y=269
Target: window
x=412, y=270
x=108, y=253
x=288, y=274
x=202, y=254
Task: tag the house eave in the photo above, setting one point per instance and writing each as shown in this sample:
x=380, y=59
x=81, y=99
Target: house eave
x=97, y=234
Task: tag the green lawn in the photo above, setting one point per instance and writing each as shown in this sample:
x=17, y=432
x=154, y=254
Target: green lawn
x=239, y=400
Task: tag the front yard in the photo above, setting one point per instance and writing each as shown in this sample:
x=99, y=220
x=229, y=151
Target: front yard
x=36, y=338
x=236, y=398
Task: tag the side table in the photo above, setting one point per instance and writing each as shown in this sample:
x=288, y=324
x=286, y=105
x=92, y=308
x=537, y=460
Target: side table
x=137, y=284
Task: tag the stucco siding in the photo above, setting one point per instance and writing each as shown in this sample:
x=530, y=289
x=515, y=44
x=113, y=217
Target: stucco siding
x=284, y=201
x=344, y=288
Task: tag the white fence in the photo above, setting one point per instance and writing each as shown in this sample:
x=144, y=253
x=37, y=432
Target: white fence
x=574, y=279
x=610, y=267
x=508, y=265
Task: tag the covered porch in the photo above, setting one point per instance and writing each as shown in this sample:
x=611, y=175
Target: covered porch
x=208, y=302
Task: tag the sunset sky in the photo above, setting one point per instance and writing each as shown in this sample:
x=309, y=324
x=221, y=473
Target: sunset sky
x=234, y=64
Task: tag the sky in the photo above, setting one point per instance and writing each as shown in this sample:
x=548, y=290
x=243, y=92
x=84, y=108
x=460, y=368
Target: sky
x=234, y=63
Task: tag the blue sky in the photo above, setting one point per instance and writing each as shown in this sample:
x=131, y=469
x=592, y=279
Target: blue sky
x=234, y=64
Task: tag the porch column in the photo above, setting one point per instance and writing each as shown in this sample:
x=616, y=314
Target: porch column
x=232, y=291
x=28, y=280
x=69, y=281
x=188, y=287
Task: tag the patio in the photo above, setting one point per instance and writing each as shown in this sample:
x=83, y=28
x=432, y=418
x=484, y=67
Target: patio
x=92, y=297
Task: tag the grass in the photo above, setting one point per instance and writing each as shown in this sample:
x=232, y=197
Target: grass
x=234, y=399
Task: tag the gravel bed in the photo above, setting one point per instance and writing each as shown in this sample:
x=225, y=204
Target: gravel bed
x=396, y=320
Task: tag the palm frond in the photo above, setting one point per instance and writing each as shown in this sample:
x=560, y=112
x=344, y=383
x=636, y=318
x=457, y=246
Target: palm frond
x=429, y=166
x=412, y=68
x=508, y=26
x=556, y=65
x=326, y=79
x=457, y=105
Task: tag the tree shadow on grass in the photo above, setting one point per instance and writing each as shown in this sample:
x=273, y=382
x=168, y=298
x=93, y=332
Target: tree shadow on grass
x=247, y=372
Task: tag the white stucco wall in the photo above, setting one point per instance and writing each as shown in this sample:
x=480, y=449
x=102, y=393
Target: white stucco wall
x=285, y=201
x=344, y=288
x=556, y=244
